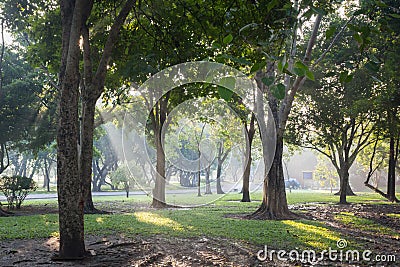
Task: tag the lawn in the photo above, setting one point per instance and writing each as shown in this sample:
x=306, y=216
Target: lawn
x=320, y=225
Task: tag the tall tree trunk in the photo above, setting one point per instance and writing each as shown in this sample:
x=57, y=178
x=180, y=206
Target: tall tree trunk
x=219, y=171
x=246, y=180
x=69, y=187
x=158, y=117
x=4, y=156
x=344, y=184
x=391, y=182
x=87, y=128
x=208, y=185
x=274, y=203
x=246, y=174
x=159, y=187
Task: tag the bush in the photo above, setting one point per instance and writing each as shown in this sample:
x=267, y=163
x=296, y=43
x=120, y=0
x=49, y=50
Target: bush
x=16, y=188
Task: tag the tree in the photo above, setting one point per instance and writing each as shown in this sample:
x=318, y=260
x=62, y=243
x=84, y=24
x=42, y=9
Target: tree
x=280, y=100
x=20, y=106
x=379, y=26
x=334, y=119
x=325, y=173
x=73, y=165
x=105, y=159
x=251, y=130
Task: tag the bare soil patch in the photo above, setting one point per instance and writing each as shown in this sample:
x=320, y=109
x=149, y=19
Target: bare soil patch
x=139, y=251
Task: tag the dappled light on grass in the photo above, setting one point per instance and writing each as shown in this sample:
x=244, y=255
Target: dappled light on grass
x=99, y=219
x=364, y=224
x=55, y=234
x=312, y=235
x=158, y=220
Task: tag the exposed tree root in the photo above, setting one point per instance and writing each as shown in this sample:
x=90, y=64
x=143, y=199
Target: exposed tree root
x=265, y=213
x=349, y=192
x=156, y=204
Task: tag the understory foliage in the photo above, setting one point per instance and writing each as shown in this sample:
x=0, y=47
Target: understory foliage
x=16, y=188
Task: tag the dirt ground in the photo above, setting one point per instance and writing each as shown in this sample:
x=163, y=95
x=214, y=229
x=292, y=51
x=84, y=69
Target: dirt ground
x=118, y=250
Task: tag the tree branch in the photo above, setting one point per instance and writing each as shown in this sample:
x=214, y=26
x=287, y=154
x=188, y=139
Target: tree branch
x=100, y=75
x=288, y=101
x=334, y=40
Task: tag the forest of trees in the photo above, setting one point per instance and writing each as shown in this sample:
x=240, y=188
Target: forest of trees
x=326, y=75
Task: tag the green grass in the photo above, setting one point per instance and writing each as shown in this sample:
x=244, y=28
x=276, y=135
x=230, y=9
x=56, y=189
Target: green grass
x=201, y=221
x=365, y=225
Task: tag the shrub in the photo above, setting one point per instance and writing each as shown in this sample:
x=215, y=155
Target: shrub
x=16, y=188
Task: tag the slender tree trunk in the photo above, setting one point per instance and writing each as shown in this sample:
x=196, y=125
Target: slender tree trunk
x=246, y=180
x=246, y=174
x=391, y=182
x=87, y=128
x=219, y=171
x=220, y=160
x=3, y=156
x=199, y=175
x=208, y=185
x=158, y=120
x=47, y=166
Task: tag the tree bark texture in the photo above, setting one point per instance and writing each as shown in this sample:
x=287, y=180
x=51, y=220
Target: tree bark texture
x=69, y=187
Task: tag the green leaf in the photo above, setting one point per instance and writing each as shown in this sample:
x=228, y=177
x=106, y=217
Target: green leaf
x=343, y=76
x=300, y=65
x=278, y=91
x=228, y=39
x=225, y=93
x=268, y=81
x=308, y=14
x=349, y=78
x=380, y=3
x=329, y=33
x=359, y=12
x=285, y=70
x=258, y=66
x=282, y=65
x=358, y=38
x=318, y=10
x=216, y=45
x=310, y=75
x=396, y=16
x=228, y=82
x=299, y=71
x=272, y=4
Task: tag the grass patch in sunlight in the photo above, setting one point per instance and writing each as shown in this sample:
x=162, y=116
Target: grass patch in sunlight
x=365, y=224
x=393, y=215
